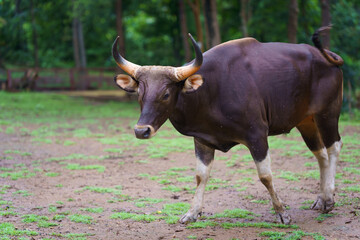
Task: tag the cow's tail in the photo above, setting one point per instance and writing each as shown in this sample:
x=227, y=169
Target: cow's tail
x=330, y=56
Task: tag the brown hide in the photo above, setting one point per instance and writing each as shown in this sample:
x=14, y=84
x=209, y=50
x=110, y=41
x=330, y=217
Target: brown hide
x=250, y=90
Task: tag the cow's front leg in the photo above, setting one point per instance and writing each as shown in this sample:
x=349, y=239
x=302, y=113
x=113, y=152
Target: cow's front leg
x=264, y=170
x=204, y=160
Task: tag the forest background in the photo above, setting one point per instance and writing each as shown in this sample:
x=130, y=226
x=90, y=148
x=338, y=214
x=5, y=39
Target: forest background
x=79, y=33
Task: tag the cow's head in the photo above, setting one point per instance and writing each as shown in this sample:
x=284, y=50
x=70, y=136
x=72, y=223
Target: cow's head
x=158, y=88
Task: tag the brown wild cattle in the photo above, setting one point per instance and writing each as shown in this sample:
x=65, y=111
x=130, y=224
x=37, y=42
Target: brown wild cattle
x=241, y=92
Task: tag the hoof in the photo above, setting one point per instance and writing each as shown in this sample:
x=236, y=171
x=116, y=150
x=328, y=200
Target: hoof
x=189, y=217
x=322, y=205
x=284, y=218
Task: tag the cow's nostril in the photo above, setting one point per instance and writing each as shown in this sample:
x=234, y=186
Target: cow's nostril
x=147, y=133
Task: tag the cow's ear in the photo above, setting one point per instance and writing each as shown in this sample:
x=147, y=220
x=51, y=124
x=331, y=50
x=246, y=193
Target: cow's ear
x=193, y=83
x=126, y=82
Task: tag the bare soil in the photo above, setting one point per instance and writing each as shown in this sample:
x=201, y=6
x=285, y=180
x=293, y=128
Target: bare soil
x=67, y=191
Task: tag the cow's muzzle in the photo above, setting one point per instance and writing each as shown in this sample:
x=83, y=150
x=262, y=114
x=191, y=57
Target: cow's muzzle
x=144, y=131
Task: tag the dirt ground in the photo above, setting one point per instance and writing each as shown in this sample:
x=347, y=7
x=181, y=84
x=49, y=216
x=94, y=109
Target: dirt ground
x=50, y=183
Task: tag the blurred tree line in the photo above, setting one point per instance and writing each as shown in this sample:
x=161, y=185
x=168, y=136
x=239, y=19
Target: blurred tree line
x=43, y=33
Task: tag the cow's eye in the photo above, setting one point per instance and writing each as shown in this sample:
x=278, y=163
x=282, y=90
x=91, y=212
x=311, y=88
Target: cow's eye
x=166, y=96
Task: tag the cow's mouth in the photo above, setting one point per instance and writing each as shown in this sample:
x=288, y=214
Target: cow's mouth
x=144, y=131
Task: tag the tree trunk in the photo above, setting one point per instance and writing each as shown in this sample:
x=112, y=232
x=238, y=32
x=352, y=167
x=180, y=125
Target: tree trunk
x=212, y=22
x=81, y=46
x=120, y=27
x=195, y=7
x=292, y=21
x=325, y=21
x=245, y=16
x=34, y=35
x=184, y=31
x=78, y=40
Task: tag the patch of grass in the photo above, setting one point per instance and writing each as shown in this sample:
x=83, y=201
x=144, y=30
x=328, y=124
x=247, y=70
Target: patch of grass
x=323, y=216
x=73, y=156
x=307, y=204
x=9, y=231
x=75, y=166
x=173, y=211
x=78, y=218
x=185, y=179
x=52, y=208
x=260, y=201
x=314, y=174
x=113, y=150
x=355, y=188
x=93, y=210
x=135, y=216
x=18, y=174
x=228, y=225
x=202, y=224
x=290, y=176
x=46, y=224
x=59, y=217
x=234, y=213
x=179, y=169
x=52, y=174
x=310, y=164
x=352, y=170
x=7, y=213
x=73, y=236
x=17, y=152
x=68, y=143
x=23, y=193
x=30, y=218
x=116, y=191
x=294, y=235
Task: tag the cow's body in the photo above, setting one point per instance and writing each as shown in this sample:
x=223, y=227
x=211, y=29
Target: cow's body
x=254, y=88
x=244, y=91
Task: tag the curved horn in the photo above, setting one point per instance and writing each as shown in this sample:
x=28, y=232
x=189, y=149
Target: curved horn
x=125, y=65
x=183, y=72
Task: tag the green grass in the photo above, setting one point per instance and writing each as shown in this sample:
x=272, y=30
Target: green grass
x=30, y=218
x=290, y=176
x=294, y=235
x=229, y=225
x=323, y=216
x=134, y=216
x=93, y=210
x=52, y=174
x=75, y=166
x=9, y=231
x=18, y=174
x=234, y=213
x=355, y=188
x=116, y=190
x=78, y=218
x=23, y=193
x=54, y=108
x=260, y=201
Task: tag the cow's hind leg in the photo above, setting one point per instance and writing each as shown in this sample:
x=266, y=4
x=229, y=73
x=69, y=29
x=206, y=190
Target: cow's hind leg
x=326, y=156
x=205, y=157
x=259, y=151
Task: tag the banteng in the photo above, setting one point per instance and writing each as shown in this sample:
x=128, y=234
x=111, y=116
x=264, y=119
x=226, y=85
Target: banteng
x=241, y=92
